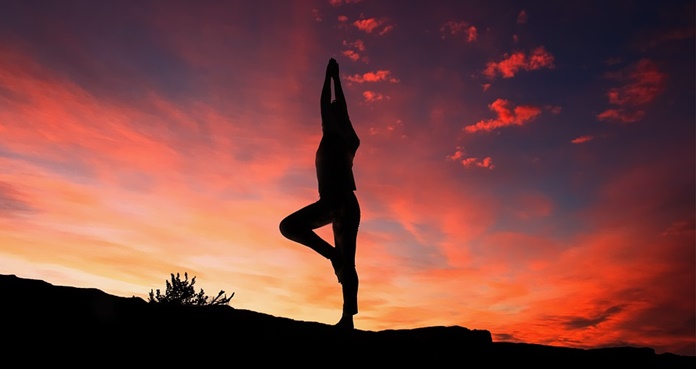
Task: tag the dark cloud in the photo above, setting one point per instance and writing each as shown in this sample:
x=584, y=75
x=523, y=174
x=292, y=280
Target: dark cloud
x=584, y=322
x=504, y=337
x=11, y=201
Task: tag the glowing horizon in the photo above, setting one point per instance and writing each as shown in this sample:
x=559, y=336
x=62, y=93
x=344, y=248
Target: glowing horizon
x=519, y=171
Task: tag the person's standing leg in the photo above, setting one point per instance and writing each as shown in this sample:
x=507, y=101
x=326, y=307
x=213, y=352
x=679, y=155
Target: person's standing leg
x=345, y=229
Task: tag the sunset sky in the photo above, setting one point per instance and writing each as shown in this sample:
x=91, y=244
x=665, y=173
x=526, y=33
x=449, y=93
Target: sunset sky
x=526, y=167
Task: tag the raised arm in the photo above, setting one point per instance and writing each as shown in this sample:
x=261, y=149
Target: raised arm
x=344, y=126
x=340, y=98
x=325, y=100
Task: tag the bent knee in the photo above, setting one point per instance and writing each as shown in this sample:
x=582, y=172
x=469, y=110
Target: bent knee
x=287, y=227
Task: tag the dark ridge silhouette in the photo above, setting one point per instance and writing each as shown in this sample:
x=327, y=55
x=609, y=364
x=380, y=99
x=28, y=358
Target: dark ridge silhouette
x=44, y=323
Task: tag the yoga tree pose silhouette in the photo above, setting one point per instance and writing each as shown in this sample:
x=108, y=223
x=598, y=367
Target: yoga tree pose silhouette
x=337, y=204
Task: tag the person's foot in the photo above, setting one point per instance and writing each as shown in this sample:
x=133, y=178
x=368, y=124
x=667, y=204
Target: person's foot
x=346, y=323
x=337, y=264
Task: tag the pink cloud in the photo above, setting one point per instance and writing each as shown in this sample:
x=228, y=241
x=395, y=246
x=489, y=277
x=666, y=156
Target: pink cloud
x=470, y=162
x=511, y=64
x=641, y=82
x=342, y=18
x=352, y=55
x=392, y=128
x=487, y=162
x=386, y=29
x=621, y=115
x=369, y=25
x=378, y=76
x=455, y=28
x=371, y=96
x=457, y=155
x=522, y=17
x=475, y=162
x=582, y=139
x=505, y=117
x=486, y=86
x=357, y=44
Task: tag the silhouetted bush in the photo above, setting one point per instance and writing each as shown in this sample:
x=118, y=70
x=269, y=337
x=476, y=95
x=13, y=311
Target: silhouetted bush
x=182, y=293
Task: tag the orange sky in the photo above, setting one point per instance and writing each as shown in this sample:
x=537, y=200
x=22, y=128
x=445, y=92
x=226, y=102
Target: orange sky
x=520, y=171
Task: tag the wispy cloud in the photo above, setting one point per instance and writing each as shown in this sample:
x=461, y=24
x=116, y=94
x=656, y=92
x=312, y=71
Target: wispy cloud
x=486, y=162
x=582, y=139
x=352, y=55
x=369, y=25
x=371, y=96
x=641, y=82
x=470, y=162
x=685, y=227
x=12, y=202
x=506, y=116
x=356, y=48
x=510, y=65
x=454, y=28
x=582, y=322
x=378, y=76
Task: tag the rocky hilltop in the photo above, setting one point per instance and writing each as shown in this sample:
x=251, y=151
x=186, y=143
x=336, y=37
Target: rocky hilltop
x=52, y=324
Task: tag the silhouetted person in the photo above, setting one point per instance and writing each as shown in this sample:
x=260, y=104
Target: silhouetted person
x=337, y=204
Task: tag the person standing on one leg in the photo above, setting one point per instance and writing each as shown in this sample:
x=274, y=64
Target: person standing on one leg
x=337, y=204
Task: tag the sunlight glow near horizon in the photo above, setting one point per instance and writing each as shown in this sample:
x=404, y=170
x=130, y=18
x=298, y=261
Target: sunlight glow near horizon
x=514, y=175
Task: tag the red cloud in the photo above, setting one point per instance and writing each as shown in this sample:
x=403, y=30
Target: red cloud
x=378, y=76
x=582, y=139
x=642, y=82
x=471, y=162
x=357, y=44
x=386, y=29
x=621, y=115
x=506, y=117
x=371, y=96
x=539, y=58
x=352, y=55
x=342, y=18
x=367, y=25
x=370, y=24
x=455, y=28
x=486, y=162
x=457, y=155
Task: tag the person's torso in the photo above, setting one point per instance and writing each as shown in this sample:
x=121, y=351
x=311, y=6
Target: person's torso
x=334, y=165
